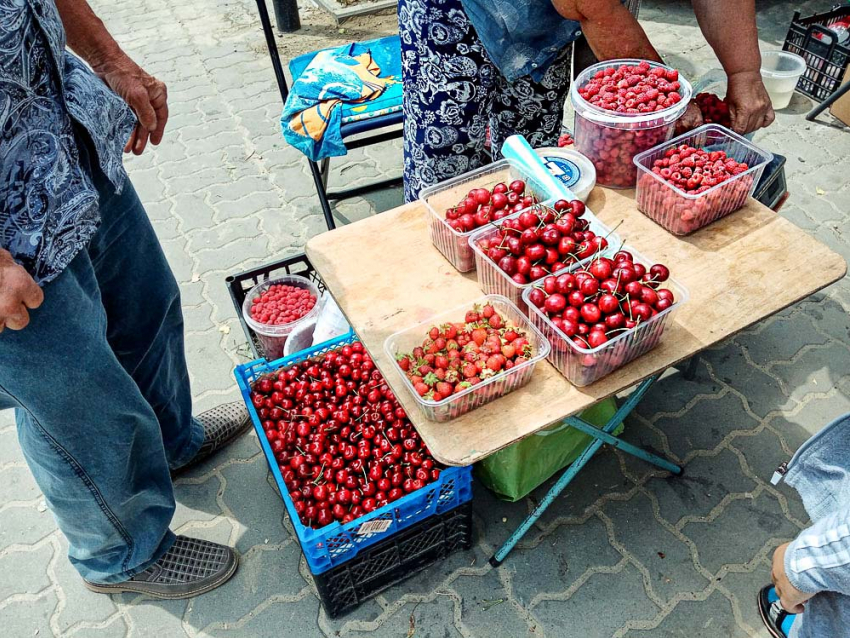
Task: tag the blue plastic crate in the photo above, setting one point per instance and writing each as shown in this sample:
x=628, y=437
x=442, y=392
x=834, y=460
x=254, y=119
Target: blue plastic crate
x=335, y=544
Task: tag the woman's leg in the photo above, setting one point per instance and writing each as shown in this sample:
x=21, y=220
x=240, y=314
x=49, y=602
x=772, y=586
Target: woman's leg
x=448, y=87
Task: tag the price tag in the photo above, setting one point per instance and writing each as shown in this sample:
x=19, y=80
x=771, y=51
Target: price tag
x=374, y=527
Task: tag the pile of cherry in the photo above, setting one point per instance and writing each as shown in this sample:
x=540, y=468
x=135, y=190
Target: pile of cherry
x=695, y=170
x=608, y=298
x=281, y=304
x=342, y=441
x=481, y=206
x=713, y=109
x=542, y=240
x=633, y=89
x=457, y=356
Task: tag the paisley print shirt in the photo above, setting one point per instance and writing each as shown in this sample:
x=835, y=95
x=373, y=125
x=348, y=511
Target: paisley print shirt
x=50, y=101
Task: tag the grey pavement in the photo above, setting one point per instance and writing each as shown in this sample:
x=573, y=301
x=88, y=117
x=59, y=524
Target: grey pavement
x=626, y=551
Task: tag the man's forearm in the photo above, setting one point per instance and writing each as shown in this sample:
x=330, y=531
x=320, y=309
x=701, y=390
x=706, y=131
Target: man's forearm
x=729, y=26
x=611, y=31
x=86, y=34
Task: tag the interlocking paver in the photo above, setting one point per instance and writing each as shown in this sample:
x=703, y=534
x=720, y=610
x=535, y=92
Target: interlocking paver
x=226, y=193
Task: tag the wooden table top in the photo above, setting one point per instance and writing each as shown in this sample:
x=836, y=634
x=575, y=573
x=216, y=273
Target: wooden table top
x=387, y=276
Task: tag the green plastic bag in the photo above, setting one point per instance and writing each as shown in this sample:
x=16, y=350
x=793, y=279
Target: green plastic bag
x=515, y=471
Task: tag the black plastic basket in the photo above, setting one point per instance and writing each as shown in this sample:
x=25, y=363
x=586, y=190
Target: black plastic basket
x=391, y=561
x=240, y=284
x=826, y=58
x=772, y=186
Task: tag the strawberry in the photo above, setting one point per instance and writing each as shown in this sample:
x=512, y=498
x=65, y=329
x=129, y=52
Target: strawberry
x=445, y=389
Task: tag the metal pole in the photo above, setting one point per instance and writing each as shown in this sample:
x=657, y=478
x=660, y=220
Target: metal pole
x=286, y=15
x=820, y=108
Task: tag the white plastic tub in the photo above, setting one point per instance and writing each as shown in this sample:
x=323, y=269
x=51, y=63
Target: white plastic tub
x=780, y=71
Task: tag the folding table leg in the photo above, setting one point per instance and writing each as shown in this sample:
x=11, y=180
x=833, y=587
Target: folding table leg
x=601, y=436
x=319, y=180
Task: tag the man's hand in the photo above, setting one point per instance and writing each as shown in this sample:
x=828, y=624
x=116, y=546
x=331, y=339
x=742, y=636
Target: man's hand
x=749, y=103
x=691, y=118
x=18, y=292
x=791, y=598
x=146, y=95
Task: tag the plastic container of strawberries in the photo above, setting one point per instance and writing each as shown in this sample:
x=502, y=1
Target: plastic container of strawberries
x=612, y=139
x=495, y=281
x=439, y=198
x=682, y=213
x=488, y=390
x=583, y=366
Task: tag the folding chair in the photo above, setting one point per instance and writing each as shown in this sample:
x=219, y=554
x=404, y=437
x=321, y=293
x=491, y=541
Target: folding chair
x=357, y=119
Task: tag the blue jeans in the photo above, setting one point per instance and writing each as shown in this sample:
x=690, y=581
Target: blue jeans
x=99, y=382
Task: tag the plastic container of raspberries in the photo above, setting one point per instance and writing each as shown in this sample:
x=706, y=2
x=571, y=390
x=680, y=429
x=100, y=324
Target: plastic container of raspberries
x=488, y=390
x=454, y=245
x=583, y=366
x=611, y=139
x=682, y=213
x=273, y=336
x=495, y=281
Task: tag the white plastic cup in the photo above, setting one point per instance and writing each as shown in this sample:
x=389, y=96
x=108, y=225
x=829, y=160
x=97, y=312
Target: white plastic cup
x=780, y=71
x=273, y=337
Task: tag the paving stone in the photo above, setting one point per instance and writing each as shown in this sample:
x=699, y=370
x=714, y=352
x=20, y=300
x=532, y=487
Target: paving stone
x=625, y=600
x=25, y=572
x=816, y=370
x=705, y=424
x=17, y=484
x=743, y=528
x=24, y=617
x=744, y=586
x=486, y=610
x=780, y=339
x=151, y=617
x=10, y=451
x=25, y=524
x=82, y=605
x=431, y=619
x=673, y=392
x=797, y=428
x=667, y=559
x=690, y=619
x=560, y=558
x=705, y=483
x=831, y=318
x=762, y=392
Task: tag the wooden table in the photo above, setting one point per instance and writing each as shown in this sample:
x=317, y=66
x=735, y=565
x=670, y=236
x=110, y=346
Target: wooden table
x=386, y=276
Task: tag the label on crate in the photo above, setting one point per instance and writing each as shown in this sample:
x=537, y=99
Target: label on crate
x=375, y=527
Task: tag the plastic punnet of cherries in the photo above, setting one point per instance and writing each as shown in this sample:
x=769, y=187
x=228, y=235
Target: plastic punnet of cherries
x=342, y=441
x=608, y=298
x=542, y=240
x=481, y=206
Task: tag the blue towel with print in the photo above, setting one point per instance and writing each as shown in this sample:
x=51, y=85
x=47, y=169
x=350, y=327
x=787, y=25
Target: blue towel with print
x=313, y=112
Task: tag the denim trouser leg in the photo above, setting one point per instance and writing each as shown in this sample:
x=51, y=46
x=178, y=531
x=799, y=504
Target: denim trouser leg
x=104, y=408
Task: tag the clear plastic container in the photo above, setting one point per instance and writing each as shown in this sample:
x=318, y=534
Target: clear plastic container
x=780, y=71
x=486, y=391
x=495, y=281
x=583, y=366
x=682, y=213
x=273, y=337
x=612, y=139
x=439, y=198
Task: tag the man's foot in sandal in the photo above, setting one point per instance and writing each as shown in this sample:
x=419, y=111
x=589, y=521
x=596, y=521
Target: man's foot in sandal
x=222, y=425
x=191, y=567
x=775, y=618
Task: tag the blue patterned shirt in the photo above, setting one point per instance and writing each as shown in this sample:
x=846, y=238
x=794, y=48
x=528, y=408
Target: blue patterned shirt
x=48, y=98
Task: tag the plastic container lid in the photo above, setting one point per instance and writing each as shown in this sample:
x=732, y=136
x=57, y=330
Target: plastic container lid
x=625, y=120
x=572, y=168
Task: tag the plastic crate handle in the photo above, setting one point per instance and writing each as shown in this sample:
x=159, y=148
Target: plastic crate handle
x=816, y=28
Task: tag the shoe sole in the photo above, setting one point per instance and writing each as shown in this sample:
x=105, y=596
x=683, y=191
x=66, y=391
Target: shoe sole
x=139, y=588
x=763, y=613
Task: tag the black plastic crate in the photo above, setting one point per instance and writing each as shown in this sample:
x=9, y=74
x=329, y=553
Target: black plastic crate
x=240, y=284
x=391, y=561
x=772, y=186
x=826, y=57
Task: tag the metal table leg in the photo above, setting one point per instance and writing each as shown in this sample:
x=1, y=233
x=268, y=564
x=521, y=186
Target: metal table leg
x=601, y=436
x=820, y=108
